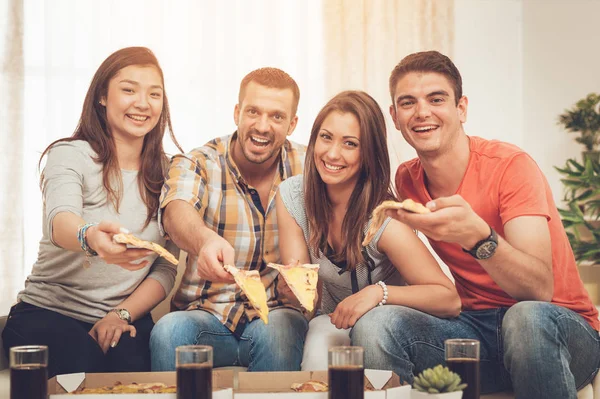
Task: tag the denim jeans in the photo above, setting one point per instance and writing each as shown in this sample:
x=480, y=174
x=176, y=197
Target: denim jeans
x=538, y=349
x=276, y=346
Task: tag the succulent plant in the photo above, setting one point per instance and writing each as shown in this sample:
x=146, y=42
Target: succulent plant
x=438, y=380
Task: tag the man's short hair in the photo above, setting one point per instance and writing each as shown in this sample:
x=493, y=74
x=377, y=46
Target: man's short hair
x=425, y=62
x=274, y=78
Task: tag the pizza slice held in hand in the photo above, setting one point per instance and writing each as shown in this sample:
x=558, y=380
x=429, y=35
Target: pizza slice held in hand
x=135, y=242
x=302, y=280
x=378, y=215
x=251, y=285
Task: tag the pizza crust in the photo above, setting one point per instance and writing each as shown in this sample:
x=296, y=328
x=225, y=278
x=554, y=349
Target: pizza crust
x=251, y=285
x=133, y=241
x=302, y=280
x=378, y=215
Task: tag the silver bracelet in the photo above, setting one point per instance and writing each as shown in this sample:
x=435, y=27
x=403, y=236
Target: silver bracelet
x=385, y=293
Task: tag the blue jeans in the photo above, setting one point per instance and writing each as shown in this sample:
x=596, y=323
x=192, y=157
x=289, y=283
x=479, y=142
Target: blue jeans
x=276, y=346
x=538, y=349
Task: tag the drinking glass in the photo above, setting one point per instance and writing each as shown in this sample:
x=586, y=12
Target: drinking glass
x=194, y=371
x=346, y=372
x=29, y=372
x=462, y=357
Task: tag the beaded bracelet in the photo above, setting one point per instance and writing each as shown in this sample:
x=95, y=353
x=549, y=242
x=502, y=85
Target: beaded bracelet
x=82, y=238
x=385, y=293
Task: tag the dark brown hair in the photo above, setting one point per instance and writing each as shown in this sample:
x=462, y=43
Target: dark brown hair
x=271, y=77
x=372, y=186
x=427, y=61
x=94, y=129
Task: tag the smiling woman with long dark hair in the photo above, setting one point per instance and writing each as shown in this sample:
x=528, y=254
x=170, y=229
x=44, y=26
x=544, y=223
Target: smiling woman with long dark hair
x=87, y=298
x=323, y=216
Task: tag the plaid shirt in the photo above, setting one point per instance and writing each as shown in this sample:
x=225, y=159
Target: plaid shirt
x=208, y=179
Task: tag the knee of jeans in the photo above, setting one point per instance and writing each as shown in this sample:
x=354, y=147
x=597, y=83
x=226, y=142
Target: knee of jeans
x=384, y=321
x=523, y=325
x=287, y=324
x=173, y=330
x=525, y=317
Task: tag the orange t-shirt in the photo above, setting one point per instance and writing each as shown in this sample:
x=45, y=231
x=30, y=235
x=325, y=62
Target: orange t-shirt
x=502, y=182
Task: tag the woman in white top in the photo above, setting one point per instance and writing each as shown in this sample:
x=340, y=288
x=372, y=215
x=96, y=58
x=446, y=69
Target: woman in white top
x=87, y=298
x=323, y=217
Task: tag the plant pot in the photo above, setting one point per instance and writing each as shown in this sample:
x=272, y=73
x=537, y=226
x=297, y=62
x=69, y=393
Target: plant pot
x=414, y=394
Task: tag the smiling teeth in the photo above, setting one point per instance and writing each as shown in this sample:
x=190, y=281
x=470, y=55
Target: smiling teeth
x=424, y=128
x=328, y=166
x=262, y=141
x=138, y=118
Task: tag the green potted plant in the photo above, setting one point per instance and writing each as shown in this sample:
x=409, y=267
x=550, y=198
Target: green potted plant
x=584, y=118
x=581, y=218
x=438, y=383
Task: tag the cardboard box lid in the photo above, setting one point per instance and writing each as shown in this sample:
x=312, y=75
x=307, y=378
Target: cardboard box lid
x=221, y=379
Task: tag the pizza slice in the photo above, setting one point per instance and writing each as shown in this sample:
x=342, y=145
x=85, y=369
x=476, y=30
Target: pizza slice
x=251, y=285
x=378, y=215
x=310, y=386
x=133, y=241
x=302, y=280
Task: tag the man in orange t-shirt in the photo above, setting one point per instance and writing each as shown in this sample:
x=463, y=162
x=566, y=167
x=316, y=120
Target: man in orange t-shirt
x=495, y=224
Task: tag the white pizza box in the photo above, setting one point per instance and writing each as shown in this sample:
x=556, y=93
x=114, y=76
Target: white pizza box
x=275, y=385
x=59, y=386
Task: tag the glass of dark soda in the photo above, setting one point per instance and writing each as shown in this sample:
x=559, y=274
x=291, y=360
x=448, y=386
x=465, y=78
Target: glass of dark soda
x=194, y=365
x=29, y=372
x=462, y=357
x=346, y=372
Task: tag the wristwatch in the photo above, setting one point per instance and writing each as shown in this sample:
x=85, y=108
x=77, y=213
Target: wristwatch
x=485, y=248
x=123, y=314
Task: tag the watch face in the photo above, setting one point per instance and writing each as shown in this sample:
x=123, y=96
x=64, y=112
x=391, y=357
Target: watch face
x=124, y=314
x=486, y=250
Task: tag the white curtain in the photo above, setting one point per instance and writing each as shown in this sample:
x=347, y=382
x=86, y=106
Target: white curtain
x=11, y=146
x=365, y=39
x=204, y=47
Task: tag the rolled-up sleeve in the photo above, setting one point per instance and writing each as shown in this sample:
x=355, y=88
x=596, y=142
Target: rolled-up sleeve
x=62, y=182
x=185, y=181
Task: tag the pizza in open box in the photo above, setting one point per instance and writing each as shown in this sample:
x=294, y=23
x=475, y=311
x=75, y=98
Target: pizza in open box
x=118, y=388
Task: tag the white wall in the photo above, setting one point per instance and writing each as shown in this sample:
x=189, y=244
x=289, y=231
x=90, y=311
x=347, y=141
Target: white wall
x=523, y=62
x=488, y=53
x=561, y=64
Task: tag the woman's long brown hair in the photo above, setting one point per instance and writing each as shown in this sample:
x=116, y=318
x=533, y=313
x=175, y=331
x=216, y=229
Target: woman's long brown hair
x=372, y=186
x=94, y=129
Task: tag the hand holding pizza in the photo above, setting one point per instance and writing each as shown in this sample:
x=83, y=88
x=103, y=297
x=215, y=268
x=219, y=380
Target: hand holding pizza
x=353, y=307
x=214, y=254
x=108, y=330
x=452, y=220
x=100, y=239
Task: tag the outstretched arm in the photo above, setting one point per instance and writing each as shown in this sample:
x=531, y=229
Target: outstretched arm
x=187, y=230
x=292, y=246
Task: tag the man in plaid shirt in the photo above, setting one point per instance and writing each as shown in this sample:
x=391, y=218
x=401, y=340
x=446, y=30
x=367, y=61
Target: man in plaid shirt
x=218, y=204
